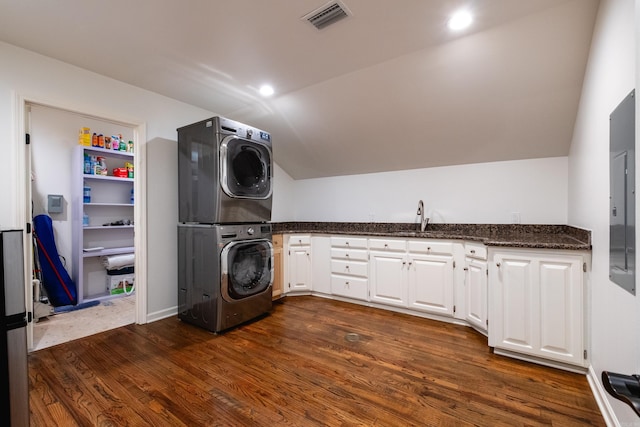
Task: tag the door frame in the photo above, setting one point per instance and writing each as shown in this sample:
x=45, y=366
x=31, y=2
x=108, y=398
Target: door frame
x=22, y=207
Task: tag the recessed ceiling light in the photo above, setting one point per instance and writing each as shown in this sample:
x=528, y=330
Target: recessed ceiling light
x=460, y=20
x=266, y=90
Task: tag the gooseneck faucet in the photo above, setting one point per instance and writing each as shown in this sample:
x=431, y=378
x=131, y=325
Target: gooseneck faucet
x=423, y=221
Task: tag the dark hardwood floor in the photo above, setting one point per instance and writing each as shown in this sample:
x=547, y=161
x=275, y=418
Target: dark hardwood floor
x=299, y=366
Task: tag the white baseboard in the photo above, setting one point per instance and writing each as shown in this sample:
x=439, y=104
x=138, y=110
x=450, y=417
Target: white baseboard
x=600, y=394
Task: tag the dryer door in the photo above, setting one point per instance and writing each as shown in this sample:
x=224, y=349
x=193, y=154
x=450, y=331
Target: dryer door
x=245, y=168
x=246, y=268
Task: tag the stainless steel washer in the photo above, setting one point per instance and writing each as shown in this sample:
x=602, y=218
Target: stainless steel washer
x=225, y=274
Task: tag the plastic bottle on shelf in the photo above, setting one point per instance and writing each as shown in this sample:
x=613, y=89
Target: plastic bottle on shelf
x=87, y=164
x=85, y=220
x=131, y=199
x=86, y=194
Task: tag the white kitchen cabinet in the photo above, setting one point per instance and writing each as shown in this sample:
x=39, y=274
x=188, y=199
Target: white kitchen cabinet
x=107, y=228
x=299, y=263
x=417, y=274
x=537, y=304
x=388, y=271
x=475, y=282
x=430, y=276
x=349, y=267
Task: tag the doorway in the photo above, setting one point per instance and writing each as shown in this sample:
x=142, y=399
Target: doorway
x=50, y=171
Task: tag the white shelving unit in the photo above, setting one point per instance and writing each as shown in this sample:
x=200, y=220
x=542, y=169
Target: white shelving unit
x=110, y=202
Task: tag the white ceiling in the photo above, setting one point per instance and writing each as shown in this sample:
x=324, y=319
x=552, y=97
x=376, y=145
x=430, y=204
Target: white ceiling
x=388, y=88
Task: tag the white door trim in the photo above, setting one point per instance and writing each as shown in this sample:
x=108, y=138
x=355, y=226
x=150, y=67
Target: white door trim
x=22, y=213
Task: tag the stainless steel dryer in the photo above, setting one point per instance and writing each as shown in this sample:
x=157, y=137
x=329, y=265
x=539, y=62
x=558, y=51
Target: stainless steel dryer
x=224, y=172
x=225, y=274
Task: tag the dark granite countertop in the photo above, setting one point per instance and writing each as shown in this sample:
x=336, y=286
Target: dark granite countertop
x=506, y=235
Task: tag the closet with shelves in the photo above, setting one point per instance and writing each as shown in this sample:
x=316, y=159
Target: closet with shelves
x=102, y=219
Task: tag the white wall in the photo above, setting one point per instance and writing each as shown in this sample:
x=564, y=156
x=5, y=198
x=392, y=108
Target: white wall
x=610, y=76
x=283, y=195
x=47, y=81
x=487, y=193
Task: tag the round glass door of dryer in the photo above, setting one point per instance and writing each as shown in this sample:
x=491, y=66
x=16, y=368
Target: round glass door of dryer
x=245, y=168
x=246, y=268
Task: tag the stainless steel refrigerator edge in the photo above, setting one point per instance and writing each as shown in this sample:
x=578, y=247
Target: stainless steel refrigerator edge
x=14, y=369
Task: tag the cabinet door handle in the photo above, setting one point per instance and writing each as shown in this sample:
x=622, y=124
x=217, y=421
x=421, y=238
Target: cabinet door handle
x=473, y=251
x=498, y=264
x=466, y=269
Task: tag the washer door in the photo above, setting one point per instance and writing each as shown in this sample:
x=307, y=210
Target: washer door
x=246, y=268
x=245, y=168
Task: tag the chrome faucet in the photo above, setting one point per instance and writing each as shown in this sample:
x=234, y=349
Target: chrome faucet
x=423, y=221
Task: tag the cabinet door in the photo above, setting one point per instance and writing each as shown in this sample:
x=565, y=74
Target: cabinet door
x=538, y=306
x=431, y=283
x=561, y=309
x=515, y=304
x=388, y=278
x=299, y=268
x=476, y=293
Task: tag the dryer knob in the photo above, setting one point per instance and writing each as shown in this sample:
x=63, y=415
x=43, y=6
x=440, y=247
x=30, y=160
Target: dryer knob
x=250, y=231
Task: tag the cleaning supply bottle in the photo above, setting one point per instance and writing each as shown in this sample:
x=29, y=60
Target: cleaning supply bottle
x=131, y=199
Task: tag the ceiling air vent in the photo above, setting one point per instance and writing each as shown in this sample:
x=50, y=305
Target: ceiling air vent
x=327, y=14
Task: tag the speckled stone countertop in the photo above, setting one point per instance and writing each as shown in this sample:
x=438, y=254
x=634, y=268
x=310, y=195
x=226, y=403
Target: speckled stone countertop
x=506, y=235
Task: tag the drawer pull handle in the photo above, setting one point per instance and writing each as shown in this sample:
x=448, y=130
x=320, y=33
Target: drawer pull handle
x=473, y=251
x=497, y=264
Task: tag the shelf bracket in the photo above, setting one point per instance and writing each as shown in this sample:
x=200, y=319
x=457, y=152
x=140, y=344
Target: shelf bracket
x=623, y=387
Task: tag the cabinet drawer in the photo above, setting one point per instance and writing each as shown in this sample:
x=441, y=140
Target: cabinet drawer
x=350, y=287
x=349, y=254
x=299, y=240
x=475, y=250
x=277, y=240
x=349, y=242
x=349, y=268
x=388, y=245
x=430, y=247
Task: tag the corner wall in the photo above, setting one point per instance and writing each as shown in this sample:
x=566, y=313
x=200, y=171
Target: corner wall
x=615, y=313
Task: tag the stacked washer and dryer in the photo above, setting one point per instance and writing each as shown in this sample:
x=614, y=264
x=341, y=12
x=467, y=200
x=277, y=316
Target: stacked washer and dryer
x=225, y=254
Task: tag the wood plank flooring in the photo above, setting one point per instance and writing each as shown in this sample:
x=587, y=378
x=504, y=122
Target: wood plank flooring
x=299, y=366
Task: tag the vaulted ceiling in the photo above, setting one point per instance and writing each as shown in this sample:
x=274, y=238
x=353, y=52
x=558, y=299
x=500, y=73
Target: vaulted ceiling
x=387, y=88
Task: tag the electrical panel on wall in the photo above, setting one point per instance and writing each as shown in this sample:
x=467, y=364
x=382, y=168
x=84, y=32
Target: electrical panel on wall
x=622, y=204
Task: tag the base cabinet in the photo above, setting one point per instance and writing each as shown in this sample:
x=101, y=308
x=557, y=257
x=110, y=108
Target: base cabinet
x=299, y=263
x=416, y=274
x=349, y=267
x=388, y=267
x=476, y=286
x=537, y=305
x=430, y=277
